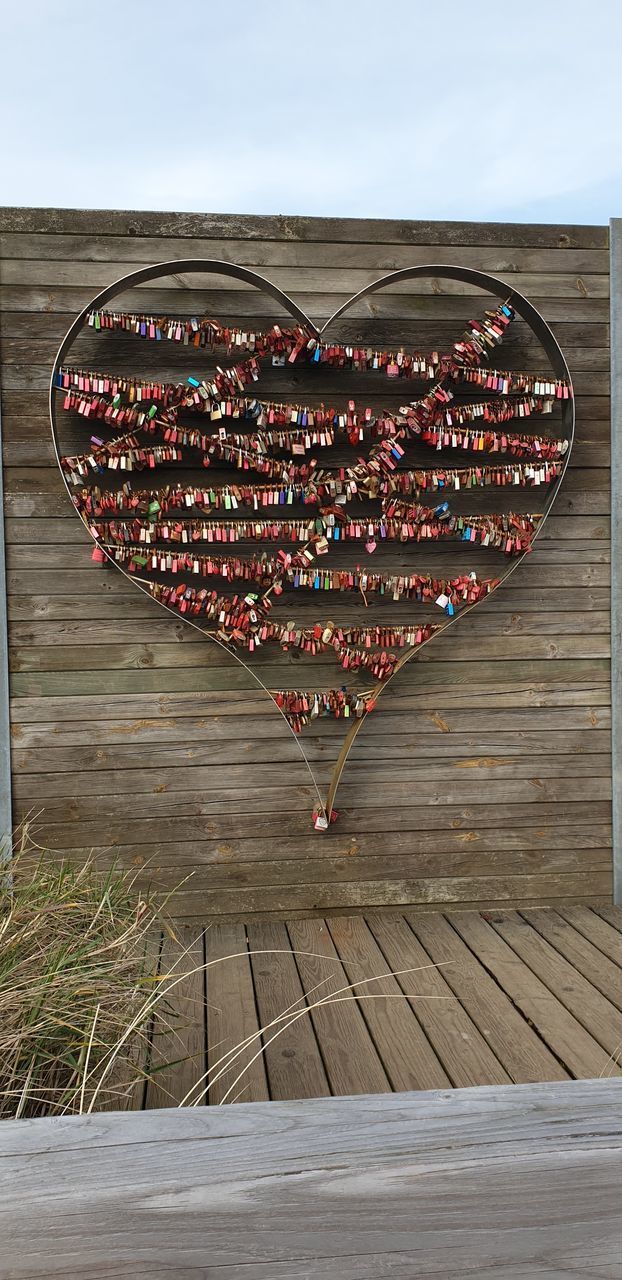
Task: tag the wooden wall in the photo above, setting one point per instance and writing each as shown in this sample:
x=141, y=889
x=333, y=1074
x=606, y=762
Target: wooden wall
x=486, y=775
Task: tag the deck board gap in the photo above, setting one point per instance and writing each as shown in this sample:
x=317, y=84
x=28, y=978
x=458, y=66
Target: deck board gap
x=261, y=1041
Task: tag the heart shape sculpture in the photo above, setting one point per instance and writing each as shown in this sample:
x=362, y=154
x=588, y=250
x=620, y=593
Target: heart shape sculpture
x=384, y=498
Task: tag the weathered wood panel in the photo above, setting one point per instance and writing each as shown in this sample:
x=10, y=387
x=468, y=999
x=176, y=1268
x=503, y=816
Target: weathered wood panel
x=487, y=775
x=474, y=1182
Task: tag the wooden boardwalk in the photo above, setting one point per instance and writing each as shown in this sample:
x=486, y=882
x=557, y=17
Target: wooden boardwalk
x=506, y=1183
x=479, y=998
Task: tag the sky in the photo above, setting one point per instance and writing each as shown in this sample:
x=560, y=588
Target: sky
x=450, y=109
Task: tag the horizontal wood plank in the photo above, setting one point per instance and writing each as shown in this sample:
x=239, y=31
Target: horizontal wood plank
x=562, y=1142
x=297, y=253
x=288, y=227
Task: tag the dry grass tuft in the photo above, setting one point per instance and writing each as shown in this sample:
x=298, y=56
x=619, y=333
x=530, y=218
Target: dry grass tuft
x=73, y=978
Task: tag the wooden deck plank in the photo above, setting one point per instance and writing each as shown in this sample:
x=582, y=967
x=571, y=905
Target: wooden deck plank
x=599, y=931
x=407, y=1056
x=518, y=1047
x=582, y=954
x=135, y=1095
x=463, y=1051
x=350, y=1056
x=613, y=915
x=564, y=1034
x=599, y=1017
x=178, y=1049
x=293, y=1061
x=231, y=1015
x=519, y=1182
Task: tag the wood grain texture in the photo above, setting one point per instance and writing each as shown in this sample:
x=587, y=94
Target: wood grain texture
x=316, y=1007
x=350, y=1057
x=293, y=228
x=600, y=932
x=178, y=1037
x=507, y=1182
x=597, y=1013
x=233, y=1042
x=585, y=955
x=134, y=737
x=463, y=1051
x=515, y=1043
x=537, y=993
x=291, y=1048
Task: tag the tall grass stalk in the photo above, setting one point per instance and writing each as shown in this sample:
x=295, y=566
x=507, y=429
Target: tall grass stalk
x=73, y=973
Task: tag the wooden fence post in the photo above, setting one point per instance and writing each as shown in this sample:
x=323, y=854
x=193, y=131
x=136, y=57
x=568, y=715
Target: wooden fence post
x=6, y=822
x=616, y=556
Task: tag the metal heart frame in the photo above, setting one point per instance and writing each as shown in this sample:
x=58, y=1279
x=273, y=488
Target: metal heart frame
x=209, y=266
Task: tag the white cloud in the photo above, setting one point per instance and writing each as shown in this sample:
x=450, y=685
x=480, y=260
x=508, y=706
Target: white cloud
x=348, y=108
